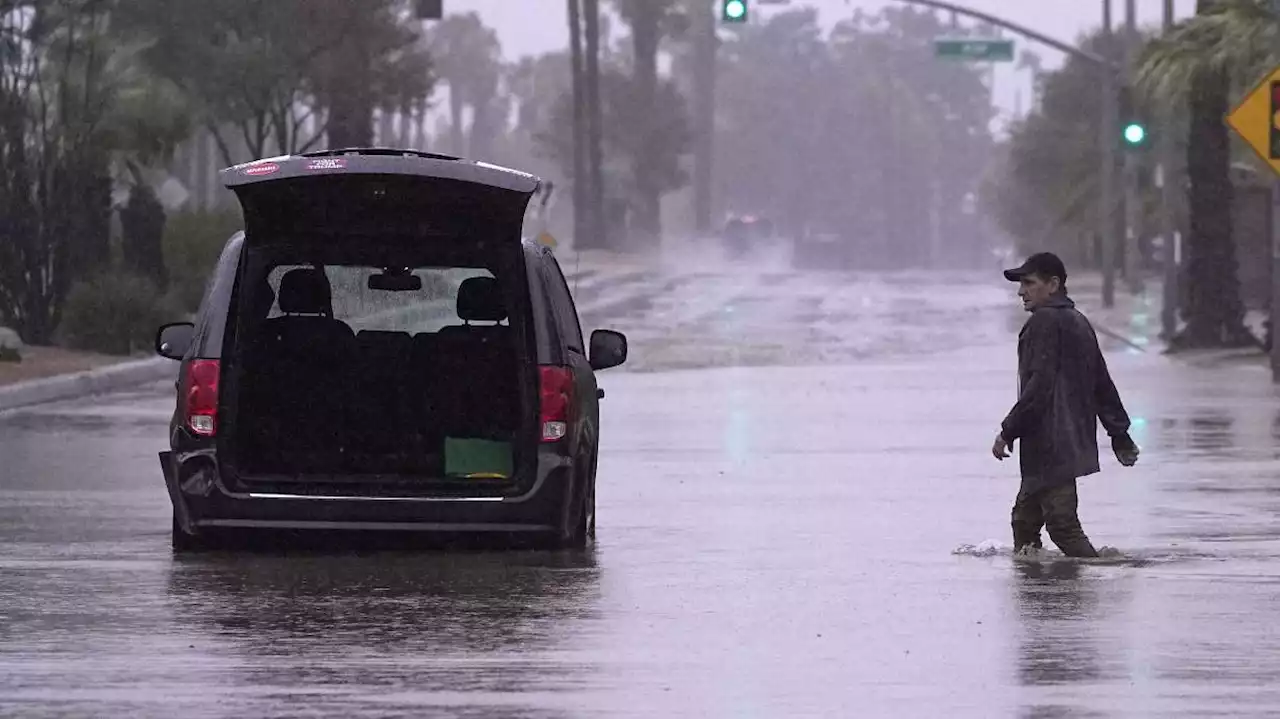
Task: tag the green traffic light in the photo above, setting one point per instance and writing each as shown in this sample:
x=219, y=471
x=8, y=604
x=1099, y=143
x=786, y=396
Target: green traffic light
x=735, y=10
x=1134, y=133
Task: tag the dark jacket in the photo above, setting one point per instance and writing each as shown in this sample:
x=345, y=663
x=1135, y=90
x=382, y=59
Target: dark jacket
x=1064, y=389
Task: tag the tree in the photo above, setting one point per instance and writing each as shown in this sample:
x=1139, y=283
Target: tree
x=928, y=130
x=1048, y=197
x=648, y=20
x=54, y=192
x=624, y=143
x=147, y=120
x=376, y=61
x=468, y=57
x=1225, y=40
x=860, y=132
x=534, y=85
x=240, y=63
x=283, y=75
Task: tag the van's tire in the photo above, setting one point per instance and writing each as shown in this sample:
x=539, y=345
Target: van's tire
x=583, y=531
x=184, y=543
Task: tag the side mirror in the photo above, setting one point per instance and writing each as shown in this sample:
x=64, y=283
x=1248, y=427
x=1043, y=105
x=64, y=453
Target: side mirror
x=174, y=339
x=608, y=349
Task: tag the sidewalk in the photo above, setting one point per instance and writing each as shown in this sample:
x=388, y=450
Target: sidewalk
x=49, y=374
x=41, y=362
x=1135, y=320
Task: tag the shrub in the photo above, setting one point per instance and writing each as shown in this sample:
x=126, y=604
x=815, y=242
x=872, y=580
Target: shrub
x=10, y=344
x=114, y=313
x=193, y=240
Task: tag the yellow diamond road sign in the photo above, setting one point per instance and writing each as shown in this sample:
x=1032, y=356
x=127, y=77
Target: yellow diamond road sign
x=1257, y=119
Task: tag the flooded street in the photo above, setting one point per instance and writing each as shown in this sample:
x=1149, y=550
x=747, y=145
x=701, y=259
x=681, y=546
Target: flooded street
x=821, y=531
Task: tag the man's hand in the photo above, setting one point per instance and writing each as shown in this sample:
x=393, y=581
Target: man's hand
x=1000, y=449
x=1127, y=457
x=1125, y=449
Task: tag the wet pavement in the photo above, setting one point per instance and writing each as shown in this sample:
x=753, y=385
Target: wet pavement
x=816, y=532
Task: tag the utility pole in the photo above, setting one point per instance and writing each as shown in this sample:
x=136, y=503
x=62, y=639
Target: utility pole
x=594, y=197
x=1106, y=225
x=1132, y=199
x=1275, y=261
x=704, y=110
x=1172, y=246
x=580, y=198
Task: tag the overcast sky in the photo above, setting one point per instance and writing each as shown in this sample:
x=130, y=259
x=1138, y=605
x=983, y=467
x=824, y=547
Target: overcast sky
x=536, y=26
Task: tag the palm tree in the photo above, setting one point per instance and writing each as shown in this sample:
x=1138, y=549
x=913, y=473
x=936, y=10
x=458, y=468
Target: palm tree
x=649, y=20
x=143, y=127
x=468, y=56
x=1196, y=64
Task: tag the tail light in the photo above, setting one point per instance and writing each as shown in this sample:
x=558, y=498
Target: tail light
x=200, y=391
x=556, y=390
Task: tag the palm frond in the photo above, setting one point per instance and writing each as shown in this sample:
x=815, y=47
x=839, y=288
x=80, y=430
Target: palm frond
x=1237, y=37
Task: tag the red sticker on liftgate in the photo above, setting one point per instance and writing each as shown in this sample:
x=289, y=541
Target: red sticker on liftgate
x=259, y=170
x=328, y=163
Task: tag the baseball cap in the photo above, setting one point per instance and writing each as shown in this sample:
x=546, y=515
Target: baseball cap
x=1045, y=264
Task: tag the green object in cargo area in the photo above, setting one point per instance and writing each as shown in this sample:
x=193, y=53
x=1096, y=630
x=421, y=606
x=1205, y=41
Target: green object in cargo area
x=478, y=458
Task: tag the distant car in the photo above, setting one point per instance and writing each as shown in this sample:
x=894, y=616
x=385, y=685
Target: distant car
x=817, y=249
x=744, y=233
x=380, y=350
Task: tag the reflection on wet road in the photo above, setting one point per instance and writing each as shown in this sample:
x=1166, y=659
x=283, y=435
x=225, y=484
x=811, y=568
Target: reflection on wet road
x=774, y=542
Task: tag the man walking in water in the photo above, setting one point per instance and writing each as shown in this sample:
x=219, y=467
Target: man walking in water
x=1064, y=389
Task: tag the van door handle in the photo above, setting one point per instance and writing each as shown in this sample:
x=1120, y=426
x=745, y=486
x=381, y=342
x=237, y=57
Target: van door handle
x=599, y=393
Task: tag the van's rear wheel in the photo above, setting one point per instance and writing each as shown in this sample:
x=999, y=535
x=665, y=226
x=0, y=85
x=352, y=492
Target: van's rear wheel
x=584, y=526
x=587, y=520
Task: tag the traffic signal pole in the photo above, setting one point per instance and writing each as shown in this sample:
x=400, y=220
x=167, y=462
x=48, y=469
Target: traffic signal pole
x=1275, y=235
x=1106, y=172
x=1089, y=57
x=1132, y=233
x=1110, y=73
x=706, y=45
x=1172, y=247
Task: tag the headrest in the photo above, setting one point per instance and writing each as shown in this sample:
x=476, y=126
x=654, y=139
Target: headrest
x=480, y=300
x=305, y=292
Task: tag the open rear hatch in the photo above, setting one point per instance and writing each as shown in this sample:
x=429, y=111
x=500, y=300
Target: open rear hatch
x=383, y=340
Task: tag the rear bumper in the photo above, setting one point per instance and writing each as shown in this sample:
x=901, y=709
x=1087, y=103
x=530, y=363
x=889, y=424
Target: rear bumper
x=201, y=500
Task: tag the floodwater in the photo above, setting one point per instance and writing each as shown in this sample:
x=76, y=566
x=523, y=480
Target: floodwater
x=808, y=535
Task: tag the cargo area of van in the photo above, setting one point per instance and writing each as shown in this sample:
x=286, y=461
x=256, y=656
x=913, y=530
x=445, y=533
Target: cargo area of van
x=379, y=333
x=375, y=372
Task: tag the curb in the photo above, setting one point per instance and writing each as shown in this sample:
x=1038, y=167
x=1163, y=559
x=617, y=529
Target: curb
x=1204, y=358
x=89, y=382
x=124, y=375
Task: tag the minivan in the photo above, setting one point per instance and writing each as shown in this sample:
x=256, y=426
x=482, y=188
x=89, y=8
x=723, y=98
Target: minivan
x=381, y=350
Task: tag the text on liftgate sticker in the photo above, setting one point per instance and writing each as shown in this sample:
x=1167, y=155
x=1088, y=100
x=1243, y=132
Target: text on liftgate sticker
x=331, y=163
x=258, y=170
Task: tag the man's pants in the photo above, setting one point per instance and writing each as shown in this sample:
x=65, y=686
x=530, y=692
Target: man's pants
x=1054, y=507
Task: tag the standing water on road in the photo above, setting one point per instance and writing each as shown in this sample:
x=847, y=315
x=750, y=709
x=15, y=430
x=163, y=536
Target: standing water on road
x=776, y=538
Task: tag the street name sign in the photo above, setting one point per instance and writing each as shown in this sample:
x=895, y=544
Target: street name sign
x=971, y=48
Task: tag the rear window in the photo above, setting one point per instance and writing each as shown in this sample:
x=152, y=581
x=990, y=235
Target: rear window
x=428, y=309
